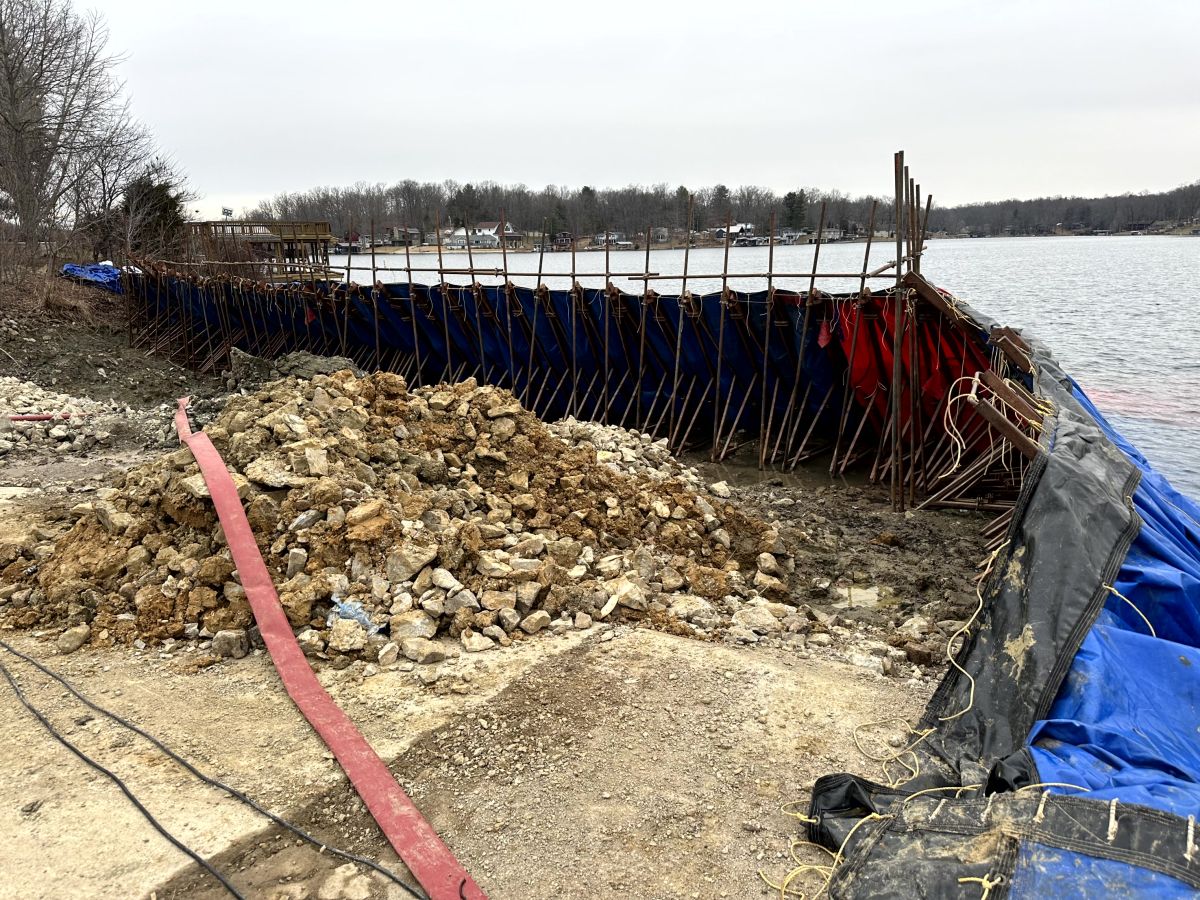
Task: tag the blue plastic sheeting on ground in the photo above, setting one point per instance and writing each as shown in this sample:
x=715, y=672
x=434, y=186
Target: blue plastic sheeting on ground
x=103, y=276
x=1126, y=721
x=1043, y=871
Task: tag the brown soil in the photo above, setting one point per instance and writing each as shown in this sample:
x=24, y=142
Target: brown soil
x=60, y=335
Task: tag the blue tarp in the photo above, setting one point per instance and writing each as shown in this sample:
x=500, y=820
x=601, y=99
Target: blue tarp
x=1126, y=722
x=100, y=274
x=489, y=334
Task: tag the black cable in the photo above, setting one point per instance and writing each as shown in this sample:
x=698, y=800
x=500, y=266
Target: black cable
x=116, y=779
x=212, y=782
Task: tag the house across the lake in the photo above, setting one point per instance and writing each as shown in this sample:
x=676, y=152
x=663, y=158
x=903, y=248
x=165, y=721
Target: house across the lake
x=486, y=235
x=403, y=235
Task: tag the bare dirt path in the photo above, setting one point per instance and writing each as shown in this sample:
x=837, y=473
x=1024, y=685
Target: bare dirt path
x=642, y=765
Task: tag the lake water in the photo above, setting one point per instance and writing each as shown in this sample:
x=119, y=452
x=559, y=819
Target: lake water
x=1122, y=314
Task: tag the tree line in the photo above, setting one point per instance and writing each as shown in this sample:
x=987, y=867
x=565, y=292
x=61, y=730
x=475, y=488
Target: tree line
x=1049, y=215
x=582, y=211
x=631, y=210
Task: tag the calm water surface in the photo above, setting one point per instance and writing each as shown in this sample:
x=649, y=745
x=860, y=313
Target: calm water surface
x=1122, y=314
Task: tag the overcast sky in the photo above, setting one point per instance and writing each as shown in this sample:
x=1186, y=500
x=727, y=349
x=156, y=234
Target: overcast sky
x=990, y=99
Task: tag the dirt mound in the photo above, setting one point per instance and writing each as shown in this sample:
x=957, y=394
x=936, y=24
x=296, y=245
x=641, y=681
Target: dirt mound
x=391, y=518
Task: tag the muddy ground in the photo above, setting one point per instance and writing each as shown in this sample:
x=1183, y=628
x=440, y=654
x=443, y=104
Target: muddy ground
x=80, y=346
x=613, y=762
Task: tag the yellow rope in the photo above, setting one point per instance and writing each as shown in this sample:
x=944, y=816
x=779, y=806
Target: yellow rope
x=1117, y=593
x=964, y=628
x=807, y=820
x=784, y=887
x=1029, y=787
x=934, y=790
x=986, y=882
x=914, y=769
x=899, y=756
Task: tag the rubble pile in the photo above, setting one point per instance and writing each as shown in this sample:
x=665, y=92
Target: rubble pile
x=629, y=451
x=419, y=524
x=247, y=371
x=79, y=424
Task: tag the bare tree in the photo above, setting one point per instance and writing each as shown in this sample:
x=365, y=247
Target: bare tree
x=61, y=111
x=95, y=195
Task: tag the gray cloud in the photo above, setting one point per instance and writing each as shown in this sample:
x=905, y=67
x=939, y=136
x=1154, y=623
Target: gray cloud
x=990, y=100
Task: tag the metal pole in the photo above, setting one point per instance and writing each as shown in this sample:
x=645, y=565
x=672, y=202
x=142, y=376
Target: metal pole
x=718, y=413
x=763, y=425
x=642, y=337
x=897, y=495
x=856, y=307
x=687, y=246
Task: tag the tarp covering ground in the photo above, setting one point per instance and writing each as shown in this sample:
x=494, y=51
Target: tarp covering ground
x=1061, y=754
x=102, y=275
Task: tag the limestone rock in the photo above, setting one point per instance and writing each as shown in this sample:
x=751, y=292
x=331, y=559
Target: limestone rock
x=311, y=642
x=473, y=642
x=231, y=643
x=415, y=623
x=508, y=618
x=691, y=608
x=464, y=599
x=535, y=622
x=757, y=619
x=73, y=638
x=496, y=600
x=296, y=560
x=364, y=512
x=388, y=653
x=446, y=581
x=768, y=564
x=627, y=593
x=423, y=650
x=113, y=520
x=769, y=584
x=406, y=561
x=347, y=635
x=273, y=473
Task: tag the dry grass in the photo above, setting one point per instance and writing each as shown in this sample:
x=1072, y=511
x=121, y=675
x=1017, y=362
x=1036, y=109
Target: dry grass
x=36, y=293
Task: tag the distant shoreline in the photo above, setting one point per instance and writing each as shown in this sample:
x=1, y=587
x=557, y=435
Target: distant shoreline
x=432, y=249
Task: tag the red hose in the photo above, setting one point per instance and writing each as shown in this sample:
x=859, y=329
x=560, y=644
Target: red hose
x=426, y=856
